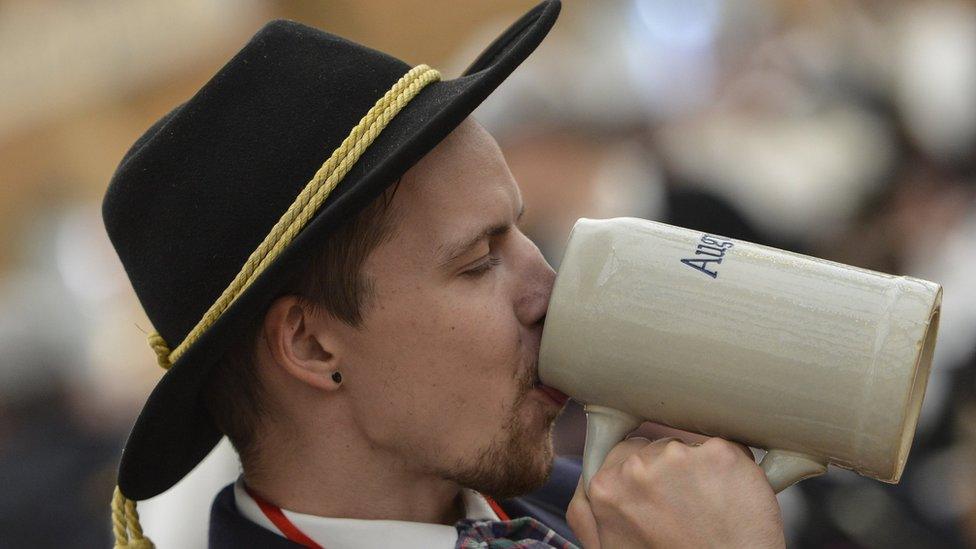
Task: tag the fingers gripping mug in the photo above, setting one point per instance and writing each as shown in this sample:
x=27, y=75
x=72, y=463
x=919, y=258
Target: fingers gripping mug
x=815, y=361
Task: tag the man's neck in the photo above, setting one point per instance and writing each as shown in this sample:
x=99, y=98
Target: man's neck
x=349, y=479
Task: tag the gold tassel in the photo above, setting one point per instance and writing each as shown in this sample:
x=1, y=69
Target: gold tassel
x=125, y=524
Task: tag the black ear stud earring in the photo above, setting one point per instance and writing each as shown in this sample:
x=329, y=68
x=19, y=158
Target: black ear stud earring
x=337, y=377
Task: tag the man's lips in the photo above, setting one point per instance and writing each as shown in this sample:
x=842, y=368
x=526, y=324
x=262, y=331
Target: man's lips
x=556, y=395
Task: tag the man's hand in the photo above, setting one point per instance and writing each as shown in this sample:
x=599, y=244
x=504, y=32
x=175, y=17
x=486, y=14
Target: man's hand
x=668, y=494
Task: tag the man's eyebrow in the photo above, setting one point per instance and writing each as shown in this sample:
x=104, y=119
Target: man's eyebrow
x=452, y=251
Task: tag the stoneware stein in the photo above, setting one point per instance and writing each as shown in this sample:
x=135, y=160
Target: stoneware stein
x=815, y=361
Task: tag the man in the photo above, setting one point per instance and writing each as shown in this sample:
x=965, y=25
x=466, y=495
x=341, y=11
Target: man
x=367, y=338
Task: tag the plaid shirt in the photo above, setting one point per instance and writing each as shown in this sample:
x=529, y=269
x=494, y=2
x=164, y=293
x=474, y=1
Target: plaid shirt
x=520, y=533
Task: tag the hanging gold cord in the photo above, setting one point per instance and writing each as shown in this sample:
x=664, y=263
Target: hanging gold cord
x=125, y=518
x=125, y=524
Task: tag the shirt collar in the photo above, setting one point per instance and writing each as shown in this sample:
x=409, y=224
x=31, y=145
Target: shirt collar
x=345, y=533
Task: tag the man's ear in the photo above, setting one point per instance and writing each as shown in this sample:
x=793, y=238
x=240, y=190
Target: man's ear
x=303, y=342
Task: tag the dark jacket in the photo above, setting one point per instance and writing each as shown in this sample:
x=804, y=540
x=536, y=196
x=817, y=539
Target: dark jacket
x=229, y=529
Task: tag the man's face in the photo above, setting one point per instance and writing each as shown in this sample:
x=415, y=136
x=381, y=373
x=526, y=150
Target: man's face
x=443, y=368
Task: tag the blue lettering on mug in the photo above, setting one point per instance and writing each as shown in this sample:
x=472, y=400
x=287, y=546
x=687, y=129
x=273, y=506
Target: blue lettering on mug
x=710, y=250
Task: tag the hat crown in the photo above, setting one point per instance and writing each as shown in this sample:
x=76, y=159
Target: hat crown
x=197, y=193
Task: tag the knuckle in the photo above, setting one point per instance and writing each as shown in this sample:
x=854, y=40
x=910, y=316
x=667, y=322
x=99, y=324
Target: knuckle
x=721, y=450
x=602, y=490
x=576, y=523
x=633, y=467
x=626, y=448
x=675, y=450
x=575, y=511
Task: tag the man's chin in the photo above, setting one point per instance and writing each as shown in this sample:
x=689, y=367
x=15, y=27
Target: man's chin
x=527, y=470
x=519, y=469
x=527, y=480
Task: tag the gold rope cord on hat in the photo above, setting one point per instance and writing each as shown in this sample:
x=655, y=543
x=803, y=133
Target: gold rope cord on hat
x=125, y=518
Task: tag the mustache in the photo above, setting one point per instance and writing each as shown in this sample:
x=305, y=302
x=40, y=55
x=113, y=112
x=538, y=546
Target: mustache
x=528, y=379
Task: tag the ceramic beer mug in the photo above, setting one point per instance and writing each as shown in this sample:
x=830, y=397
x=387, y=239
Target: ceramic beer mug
x=815, y=361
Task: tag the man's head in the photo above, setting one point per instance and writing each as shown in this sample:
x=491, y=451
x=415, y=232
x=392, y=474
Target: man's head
x=437, y=342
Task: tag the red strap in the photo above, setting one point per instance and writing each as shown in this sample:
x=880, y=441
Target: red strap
x=279, y=519
x=292, y=532
x=496, y=508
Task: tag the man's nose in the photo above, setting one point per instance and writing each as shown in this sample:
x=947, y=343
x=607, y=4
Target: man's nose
x=537, y=282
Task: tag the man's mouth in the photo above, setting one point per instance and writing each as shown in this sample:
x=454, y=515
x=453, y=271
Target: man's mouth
x=556, y=395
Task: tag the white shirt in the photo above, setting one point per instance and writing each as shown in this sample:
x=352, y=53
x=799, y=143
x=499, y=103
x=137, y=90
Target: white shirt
x=345, y=533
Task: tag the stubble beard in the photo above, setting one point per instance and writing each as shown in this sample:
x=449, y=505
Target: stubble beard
x=517, y=461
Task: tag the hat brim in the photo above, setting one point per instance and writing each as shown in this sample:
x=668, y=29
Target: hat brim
x=174, y=432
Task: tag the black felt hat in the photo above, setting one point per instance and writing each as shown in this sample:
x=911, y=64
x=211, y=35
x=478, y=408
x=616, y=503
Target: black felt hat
x=203, y=188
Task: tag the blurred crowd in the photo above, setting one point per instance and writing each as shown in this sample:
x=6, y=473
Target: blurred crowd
x=842, y=129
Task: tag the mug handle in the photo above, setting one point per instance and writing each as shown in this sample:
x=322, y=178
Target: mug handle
x=605, y=427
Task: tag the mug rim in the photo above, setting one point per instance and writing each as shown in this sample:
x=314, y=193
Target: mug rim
x=916, y=390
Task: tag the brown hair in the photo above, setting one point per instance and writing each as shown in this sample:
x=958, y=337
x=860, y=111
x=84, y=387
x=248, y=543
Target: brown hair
x=330, y=281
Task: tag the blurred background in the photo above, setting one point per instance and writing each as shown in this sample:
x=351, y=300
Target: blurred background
x=840, y=129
